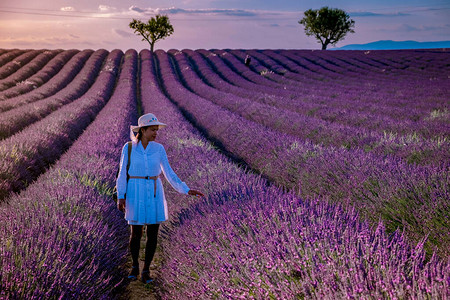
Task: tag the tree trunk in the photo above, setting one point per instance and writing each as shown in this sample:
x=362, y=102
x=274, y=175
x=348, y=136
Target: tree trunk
x=324, y=46
x=151, y=47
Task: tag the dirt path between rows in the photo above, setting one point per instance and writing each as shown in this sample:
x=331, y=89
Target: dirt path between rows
x=137, y=290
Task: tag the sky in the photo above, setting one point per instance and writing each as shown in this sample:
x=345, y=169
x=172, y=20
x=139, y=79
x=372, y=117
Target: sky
x=212, y=24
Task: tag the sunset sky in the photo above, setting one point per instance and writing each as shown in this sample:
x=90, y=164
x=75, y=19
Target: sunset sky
x=208, y=24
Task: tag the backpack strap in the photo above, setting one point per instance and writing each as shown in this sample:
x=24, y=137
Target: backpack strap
x=130, y=147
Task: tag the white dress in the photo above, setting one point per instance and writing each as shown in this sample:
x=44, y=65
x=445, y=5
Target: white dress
x=142, y=206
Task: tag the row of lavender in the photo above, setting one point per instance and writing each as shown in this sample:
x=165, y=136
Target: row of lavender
x=366, y=78
x=425, y=89
x=24, y=57
x=188, y=156
x=313, y=98
x=357, y=117
x=413, y=98
x=288, y=62
x=6, y=55
x=28, y=153
x=29, y=69
x=374, y=103
x=401, y=64
x=43, y=76
x=408, y=196
x=250, y=240
x=408, y=101
x=416, y=141
x=63, y=237
x=33, y=109
x=306, y=127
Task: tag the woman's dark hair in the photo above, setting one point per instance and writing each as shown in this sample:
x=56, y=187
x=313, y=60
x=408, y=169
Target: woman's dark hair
x=139, y=134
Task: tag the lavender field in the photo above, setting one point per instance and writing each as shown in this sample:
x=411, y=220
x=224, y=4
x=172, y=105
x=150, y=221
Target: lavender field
x=326, y=172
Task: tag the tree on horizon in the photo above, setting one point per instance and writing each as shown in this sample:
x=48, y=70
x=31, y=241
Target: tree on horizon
x=327, y=25
x=157, y=28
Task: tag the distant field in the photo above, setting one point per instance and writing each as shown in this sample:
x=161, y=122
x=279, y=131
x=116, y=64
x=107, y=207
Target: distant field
x=326, y=172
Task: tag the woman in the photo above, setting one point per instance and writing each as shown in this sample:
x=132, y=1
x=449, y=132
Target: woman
x=140, y=192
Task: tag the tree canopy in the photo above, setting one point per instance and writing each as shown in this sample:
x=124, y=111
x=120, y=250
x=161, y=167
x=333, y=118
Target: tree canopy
x=327, y=25
x=155, y=29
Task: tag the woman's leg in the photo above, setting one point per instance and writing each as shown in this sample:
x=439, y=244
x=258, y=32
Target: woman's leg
x=135, y=243
x=150, y=248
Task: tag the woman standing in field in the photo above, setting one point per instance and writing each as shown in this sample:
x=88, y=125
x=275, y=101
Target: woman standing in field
x=140, y=190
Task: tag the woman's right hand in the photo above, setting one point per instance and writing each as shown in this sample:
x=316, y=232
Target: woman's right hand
x=195, y=193
x=121, y=204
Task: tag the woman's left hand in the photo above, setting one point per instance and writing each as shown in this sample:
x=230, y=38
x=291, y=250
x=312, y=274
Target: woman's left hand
x=195, y=193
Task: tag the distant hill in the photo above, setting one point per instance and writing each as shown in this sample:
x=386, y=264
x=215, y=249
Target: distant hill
x=391, y=45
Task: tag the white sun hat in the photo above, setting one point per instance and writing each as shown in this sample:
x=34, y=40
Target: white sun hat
x=147, y=120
